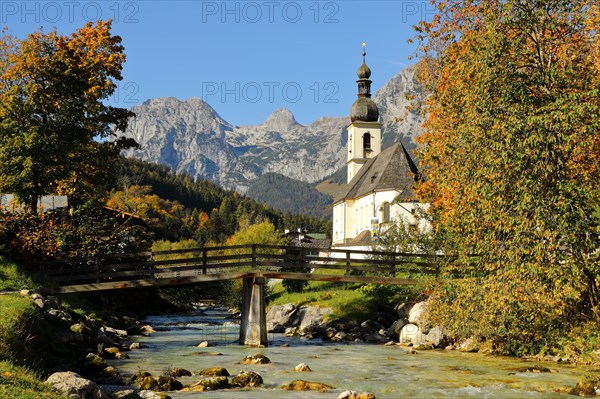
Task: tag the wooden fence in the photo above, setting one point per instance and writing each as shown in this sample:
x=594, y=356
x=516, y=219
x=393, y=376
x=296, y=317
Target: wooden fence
x=197, y=265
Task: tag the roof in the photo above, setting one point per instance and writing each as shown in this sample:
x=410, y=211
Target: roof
x=391, y=170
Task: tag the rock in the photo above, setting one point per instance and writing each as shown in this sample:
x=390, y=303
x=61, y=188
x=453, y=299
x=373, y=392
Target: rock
x=532, y=369
x=145, y=394
x=77, y=328
x=342, y=324
x=419, y=339
x=113, y=350
x=300, y=385
x=36, y=296
x=375, y=338
x=25, y=292
x=147, y=329
x=214, y=372
x=371, y=325
x=341, y=336
x=136, y=345
x=110, y=371
x=246, y=379
x=290, y=331
x=203, y=344
x=39, y=303
x=436, y=337
x=356, y=395
x=396, y=327
x=588, y=386
x=146, y=381
x=96, y=361
x=126, y=394
x=118, y=333
x=309, y=315
x=256, y=359
x=121, y=355
x=121, y=392
x=76, y=386
x=302, y=367
x=469, y=345
x=178, y=372
x=279, y=316
x=67, y=338
x=209, y=384
x=60, y=315
x=417, y=315
x=407, y=333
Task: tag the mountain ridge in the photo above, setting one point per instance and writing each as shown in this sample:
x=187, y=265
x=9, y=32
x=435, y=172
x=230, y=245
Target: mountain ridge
x=191, y=137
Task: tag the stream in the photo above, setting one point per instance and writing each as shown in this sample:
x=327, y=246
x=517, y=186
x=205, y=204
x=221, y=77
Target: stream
x=388, y=372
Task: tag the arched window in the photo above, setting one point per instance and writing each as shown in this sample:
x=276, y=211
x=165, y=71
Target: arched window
x=367, y=145
x=386, y=212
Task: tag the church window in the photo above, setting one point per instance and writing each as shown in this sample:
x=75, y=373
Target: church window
x=386, y=212
x=367, y=145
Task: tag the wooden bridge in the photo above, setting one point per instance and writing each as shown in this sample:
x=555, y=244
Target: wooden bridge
x=255, y=264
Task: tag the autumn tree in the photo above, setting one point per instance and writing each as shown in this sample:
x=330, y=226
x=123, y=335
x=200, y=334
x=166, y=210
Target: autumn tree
x=511, y=151
x=56, y=134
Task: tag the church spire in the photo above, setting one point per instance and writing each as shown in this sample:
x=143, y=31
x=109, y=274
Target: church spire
x=364, y=109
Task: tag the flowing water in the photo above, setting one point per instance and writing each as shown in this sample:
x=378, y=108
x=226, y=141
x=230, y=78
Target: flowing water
x=388, y=372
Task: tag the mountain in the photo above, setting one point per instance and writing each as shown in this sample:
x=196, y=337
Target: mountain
x=191, y=137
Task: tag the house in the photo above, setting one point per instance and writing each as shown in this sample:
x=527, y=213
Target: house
x=379, y=190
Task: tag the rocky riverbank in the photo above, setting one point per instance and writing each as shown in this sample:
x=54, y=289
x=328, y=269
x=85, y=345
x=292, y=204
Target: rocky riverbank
x=86, y=342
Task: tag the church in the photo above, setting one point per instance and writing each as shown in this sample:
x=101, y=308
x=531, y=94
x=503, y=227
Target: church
x=379, y=190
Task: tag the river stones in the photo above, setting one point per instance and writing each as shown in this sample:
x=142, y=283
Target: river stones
x=203, y=344
x=145, y=394
x=146, y=381
x=255, y=359
x=209, y=384
x=214, y=372
x=96, y=361
x=246, y=379
x=178, y=372
x=301, y=385
x=356, y=395
x=301, y=368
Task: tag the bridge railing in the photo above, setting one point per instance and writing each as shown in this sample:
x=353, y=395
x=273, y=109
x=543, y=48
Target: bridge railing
x=223, y=262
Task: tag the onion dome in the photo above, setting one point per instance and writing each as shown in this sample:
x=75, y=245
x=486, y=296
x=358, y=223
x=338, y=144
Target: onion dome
x=364, y=109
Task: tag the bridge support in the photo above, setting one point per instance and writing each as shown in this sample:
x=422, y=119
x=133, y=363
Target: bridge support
x=253, y=329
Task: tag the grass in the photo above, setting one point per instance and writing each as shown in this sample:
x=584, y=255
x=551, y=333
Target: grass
x=21, y=383
x=16, y=314
x=12, y=278
x=355, y=301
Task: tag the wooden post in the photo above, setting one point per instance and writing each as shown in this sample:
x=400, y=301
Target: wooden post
x=204, y=260
x=347, y=262
x=254, y=256
x=253, y=328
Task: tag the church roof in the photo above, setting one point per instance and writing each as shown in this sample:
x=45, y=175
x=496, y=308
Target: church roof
x=391, y=170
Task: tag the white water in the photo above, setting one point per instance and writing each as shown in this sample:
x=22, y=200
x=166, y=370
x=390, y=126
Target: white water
x=388, y=372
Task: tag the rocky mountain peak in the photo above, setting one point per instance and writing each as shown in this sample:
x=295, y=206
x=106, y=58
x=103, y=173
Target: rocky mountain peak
x=281, y=121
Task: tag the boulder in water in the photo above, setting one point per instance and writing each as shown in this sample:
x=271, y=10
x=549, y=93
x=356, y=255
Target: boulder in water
x=255, y=359
x=246, y=379
x=301, y=385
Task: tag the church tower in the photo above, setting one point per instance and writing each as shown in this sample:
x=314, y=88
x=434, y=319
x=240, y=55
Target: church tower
x=364, y=133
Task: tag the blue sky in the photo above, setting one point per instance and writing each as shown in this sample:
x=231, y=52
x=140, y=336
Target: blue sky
x=245, y=58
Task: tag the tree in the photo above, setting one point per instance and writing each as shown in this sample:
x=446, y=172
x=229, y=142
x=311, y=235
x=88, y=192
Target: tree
x=511, y=153
x=54, y=127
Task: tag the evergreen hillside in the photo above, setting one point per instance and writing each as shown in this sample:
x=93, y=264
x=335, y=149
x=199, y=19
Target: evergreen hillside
x=178, y=207
x=289, y=195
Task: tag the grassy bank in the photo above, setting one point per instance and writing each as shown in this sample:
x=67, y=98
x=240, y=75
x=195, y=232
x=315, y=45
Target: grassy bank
x=21, y=383
x=17, y=382
x=354, y=301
